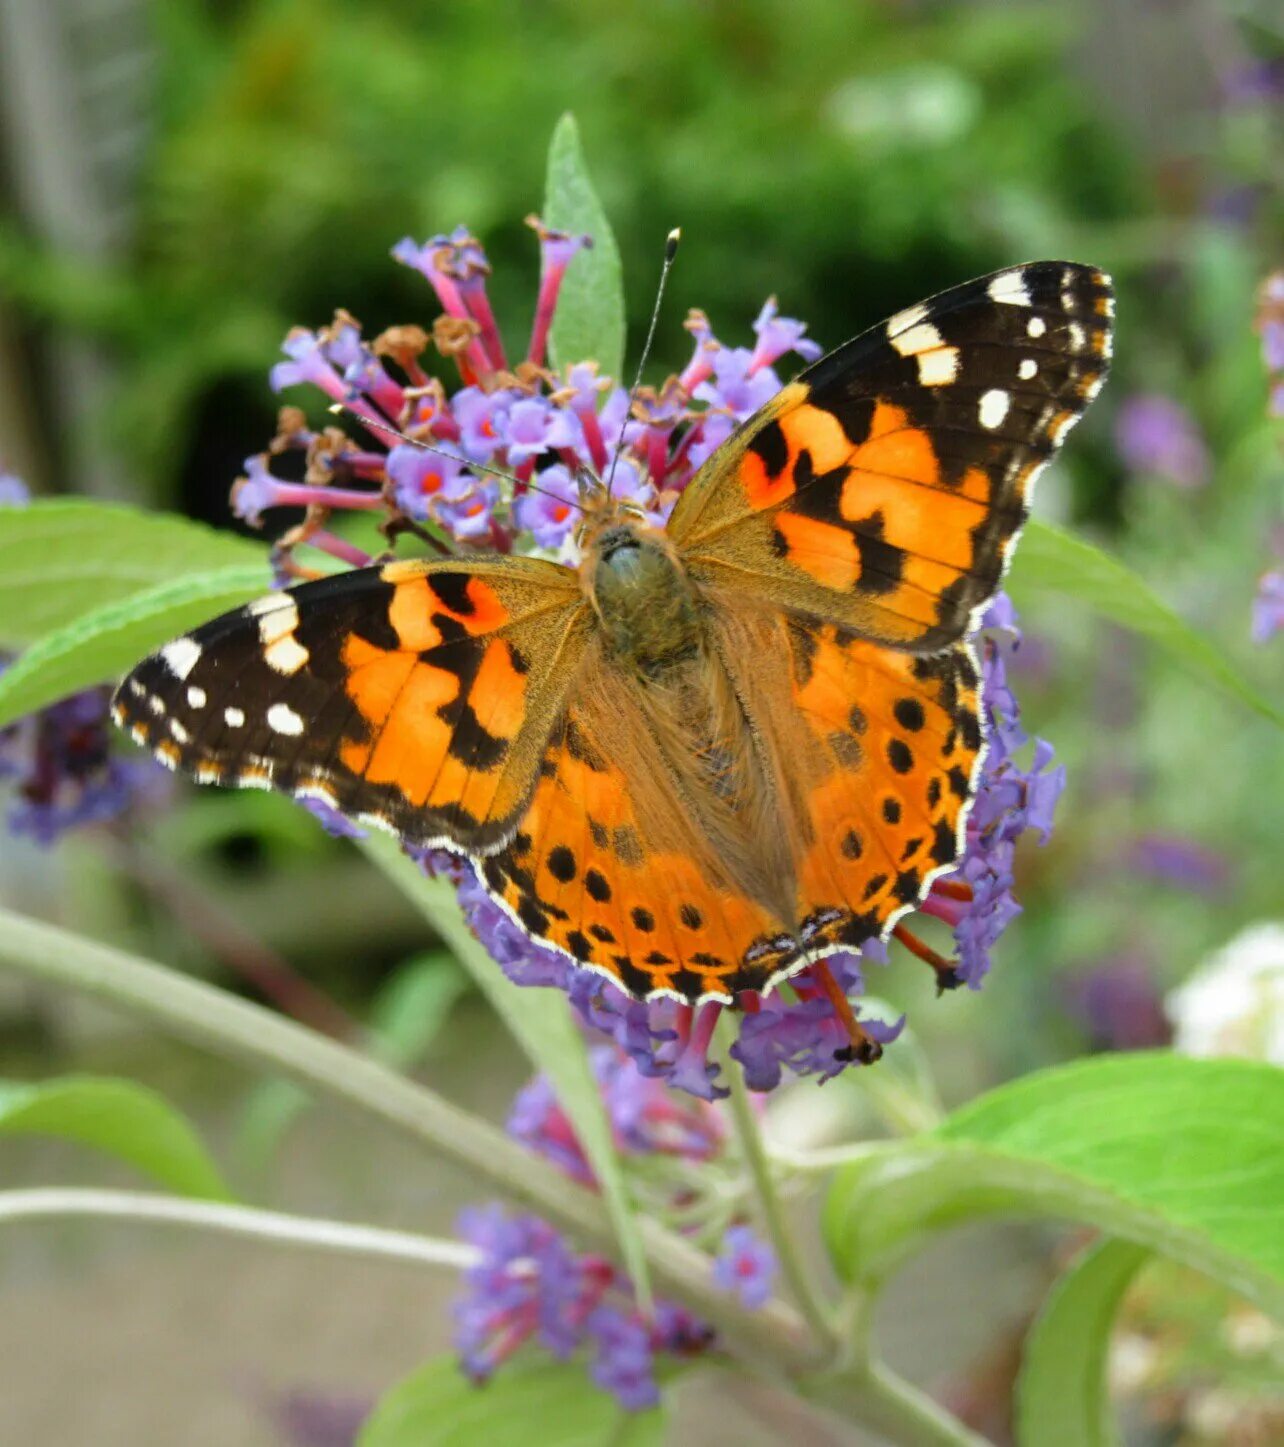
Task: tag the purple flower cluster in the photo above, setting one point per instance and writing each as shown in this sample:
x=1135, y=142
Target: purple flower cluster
x=1013, y=798
x=530, y=1286
x=544, y=428
x=59, y=761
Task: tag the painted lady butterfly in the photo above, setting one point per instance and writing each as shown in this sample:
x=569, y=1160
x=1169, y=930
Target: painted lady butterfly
x=711, y=754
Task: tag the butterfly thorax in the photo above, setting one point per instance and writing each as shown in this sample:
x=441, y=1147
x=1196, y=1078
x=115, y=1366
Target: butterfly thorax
x=643, y=597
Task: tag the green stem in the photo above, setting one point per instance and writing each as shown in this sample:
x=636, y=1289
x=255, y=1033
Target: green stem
x=802, y=1286
x=887, y=1403
x=61, y=1202
x=240, y=1029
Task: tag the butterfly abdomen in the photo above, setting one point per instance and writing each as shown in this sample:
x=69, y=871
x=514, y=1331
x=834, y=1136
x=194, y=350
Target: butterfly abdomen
x=644, y=599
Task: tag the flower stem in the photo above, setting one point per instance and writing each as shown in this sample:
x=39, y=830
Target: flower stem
x=801, y=1284
x=233, y=1027
x=279, y=1226
x=877, y=1398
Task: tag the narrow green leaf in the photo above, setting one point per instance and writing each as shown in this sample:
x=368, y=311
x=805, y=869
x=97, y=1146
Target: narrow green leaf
x=437, y=1406
x=541, y=1023
x=100, y=645
x=411, y=1008
x=1062, y=1397
x=66, y=556
x=124, y=1120
x=1178, y=1155
x=589, y=321
x=1052, y=561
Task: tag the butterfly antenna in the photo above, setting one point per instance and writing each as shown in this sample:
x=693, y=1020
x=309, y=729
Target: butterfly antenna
x=338, y=408
x=670, y=251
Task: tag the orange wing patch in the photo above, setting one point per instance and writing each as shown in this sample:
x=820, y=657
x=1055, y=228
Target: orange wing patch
x=903, y=739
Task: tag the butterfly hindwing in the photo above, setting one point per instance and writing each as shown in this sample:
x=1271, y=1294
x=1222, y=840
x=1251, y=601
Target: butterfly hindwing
x=415, y=695
x=884, y=488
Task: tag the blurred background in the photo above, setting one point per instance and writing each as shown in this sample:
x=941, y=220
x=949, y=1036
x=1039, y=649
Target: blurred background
x=184, y=180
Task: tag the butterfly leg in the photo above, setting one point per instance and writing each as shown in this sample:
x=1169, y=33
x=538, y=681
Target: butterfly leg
x=863, y=1046
x=947, y=974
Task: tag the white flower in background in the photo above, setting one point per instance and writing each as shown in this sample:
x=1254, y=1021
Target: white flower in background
x=1234, y=1004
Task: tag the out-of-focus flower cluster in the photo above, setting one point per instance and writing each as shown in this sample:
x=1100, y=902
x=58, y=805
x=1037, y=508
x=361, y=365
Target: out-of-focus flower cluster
x=530, y=1286
x=543, y=427
x=1234, y=1003
x=58, y=762
x=1268, y=606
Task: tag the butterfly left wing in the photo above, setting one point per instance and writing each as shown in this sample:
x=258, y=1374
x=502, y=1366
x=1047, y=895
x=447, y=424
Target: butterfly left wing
x=885, y=487
x=417, y=695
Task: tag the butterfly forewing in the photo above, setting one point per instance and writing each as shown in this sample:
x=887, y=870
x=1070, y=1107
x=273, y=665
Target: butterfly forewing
x=414, y=695
x=884, y=488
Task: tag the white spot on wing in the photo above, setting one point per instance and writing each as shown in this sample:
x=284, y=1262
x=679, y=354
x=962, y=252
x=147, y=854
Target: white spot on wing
x=918, y=338
x=285, y=654
x=910, y=317
x=994, y=408
x=938, y=368
x=282, y=719
x=1078, y=337
x=269, y=603
x=179, y=732
x=282, y=620
x=234, y=717
x=196, y=697
x=156, y=703
x=181, y=655
x=1036, y=327
x=1029, y=368
x=1010, y=287
x=136, y=688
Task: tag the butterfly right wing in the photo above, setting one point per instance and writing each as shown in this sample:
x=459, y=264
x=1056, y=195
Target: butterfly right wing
x=417, y=695
x=884, y=488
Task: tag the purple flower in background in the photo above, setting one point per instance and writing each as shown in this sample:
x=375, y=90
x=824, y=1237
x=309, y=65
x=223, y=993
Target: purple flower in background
x=1158, y=436
x=62, y=771
x=1180, y=862
x=1119, y=1005
x=737, y=385
x=13, y=491
x=1268, y=606
x=746, y=1266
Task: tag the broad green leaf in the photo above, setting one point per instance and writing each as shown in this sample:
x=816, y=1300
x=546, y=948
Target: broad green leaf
x=124, y=1120
x=523, y=1404
x=1052, y=561
x=542, y=1024
x=64, y=557
x=102, y=644
x=1062, y=1398
x=589, y=320
x=1178, y=1155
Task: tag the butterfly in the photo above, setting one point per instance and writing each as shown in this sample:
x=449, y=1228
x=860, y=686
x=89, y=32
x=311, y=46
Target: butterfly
x=709, y=754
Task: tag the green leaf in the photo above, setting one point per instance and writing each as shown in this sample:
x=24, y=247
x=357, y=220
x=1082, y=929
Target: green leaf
x=437, y=1406
x=1178, y=1155
x=542, y=1023
x=64, y=557
x=1053, y=561
x=1062, y=1398
x=411, y=1007
x=589, y=320
x=101, y=645
x=124, y=1120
